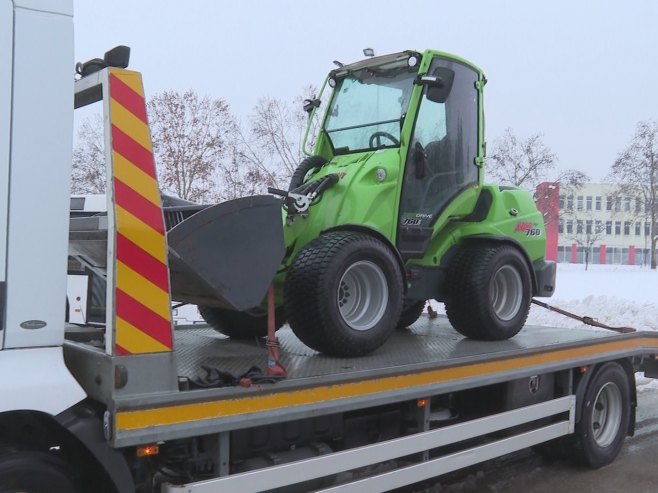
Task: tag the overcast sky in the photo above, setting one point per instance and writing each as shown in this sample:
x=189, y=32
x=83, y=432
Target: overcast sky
x=582, y=73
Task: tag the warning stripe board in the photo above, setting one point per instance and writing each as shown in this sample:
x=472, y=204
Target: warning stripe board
x=142, y=296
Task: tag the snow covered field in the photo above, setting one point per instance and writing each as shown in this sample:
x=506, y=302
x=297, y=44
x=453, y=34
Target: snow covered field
x=613, y=294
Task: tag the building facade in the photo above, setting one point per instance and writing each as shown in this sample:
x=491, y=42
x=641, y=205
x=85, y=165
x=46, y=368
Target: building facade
x=594, y=223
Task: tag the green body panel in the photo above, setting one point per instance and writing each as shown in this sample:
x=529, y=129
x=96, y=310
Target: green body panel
x=526, y=228
x=369, y=191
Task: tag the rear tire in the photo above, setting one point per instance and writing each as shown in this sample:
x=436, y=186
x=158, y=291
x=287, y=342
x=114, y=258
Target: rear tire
x=34, y=472
x=491, y=290
x=411, y=311
x=603, y=426
x=240, y=325
x=343, y=293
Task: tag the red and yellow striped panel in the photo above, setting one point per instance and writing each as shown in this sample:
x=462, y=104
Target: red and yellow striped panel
x=142, y=301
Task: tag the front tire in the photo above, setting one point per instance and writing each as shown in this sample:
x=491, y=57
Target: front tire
x=491, y=290
x=34, y=472
x=343, y=293
x=240, y=325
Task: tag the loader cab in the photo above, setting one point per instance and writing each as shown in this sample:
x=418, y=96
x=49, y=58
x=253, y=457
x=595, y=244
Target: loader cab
x=441, y=160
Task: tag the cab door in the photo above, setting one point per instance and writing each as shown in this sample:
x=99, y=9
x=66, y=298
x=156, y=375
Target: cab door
x=440, y=163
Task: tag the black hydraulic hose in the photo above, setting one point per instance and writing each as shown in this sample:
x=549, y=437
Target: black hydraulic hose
x=304, y=167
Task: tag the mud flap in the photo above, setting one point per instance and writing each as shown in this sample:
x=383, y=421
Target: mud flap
x=227, y=255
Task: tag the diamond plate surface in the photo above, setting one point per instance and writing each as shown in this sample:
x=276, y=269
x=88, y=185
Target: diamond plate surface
x=427, y=342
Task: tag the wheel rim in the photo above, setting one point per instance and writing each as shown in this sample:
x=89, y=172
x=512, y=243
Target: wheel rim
x=606, y=415
x=506, y=292
x=362, y=295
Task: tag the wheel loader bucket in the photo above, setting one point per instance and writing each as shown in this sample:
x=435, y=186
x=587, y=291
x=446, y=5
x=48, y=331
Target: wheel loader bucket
x=227, y=254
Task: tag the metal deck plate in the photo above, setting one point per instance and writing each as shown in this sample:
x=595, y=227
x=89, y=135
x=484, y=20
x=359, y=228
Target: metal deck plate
x=428, y=342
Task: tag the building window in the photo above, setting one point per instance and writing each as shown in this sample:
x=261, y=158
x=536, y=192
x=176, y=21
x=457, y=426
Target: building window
x=638, y=229
x=588, y=226
x=647, y=229
x=638, y=204
x=627, y=228
x=598, y=203
x=569, y=202
x=560, y=226
x=617, y=204
x=579, y=227
x=608, y=227
x=588, y=203
x=598, y=227
x=561, y=202
x=579, y=204
x=627, y=204
x=617, y=227
x=608, y=203
x=569, y=226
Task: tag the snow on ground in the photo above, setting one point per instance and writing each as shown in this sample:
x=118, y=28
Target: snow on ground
x=612, y=294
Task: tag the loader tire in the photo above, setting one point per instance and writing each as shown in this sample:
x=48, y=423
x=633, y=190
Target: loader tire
x=34, y=472
x=240, y=325
x=490, y=292
x=411, y=311
x=343, y=294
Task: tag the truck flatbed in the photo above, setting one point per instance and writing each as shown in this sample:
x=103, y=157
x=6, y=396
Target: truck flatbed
x=427, y=359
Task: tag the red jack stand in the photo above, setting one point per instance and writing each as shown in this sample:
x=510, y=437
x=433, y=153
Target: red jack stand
x=274, y=366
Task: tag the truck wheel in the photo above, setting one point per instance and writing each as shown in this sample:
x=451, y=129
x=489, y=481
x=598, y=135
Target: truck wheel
x=240, y=325
x=411, y=311
x=343, y=293
x=604, y=422
x=491, y=289
x=34, y=472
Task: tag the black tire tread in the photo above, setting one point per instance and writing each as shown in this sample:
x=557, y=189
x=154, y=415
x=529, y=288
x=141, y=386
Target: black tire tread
x=35, y=472
x=580, y=448
x=411, y=312
x=239, y=325
x=305, y=300
x=468, y=276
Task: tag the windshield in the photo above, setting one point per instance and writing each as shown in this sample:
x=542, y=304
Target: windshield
x=368, y=108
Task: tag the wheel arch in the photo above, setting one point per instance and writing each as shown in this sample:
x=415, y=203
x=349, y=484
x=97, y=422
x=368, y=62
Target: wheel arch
x=581, y=384
x=79, y=432
x=357, y=228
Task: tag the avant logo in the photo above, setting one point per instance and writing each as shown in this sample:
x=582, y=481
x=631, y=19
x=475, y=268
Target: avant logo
x=33, y=324
x=528, y=229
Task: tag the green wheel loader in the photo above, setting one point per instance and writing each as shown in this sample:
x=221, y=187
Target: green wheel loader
x=391, y=209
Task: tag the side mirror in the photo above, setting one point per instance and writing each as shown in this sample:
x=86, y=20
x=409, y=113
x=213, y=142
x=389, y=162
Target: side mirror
x=309, y=104
x=438, y=84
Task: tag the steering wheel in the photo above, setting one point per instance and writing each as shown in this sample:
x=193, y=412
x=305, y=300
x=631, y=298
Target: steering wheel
x=378, y=136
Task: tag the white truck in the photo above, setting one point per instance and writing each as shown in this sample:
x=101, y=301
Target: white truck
x=121, y=408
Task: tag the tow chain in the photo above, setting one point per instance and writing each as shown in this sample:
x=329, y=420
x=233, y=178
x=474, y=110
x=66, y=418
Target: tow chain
x=585, y=320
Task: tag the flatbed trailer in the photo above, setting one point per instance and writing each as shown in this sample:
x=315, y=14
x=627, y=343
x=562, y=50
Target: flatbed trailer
x=428, y=402
x=117, y=409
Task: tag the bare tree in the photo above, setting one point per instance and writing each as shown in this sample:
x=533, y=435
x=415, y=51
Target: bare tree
x=88, y=173
x=272, y=144
x=635, y=172
x=192, y=138
x=520, y=162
